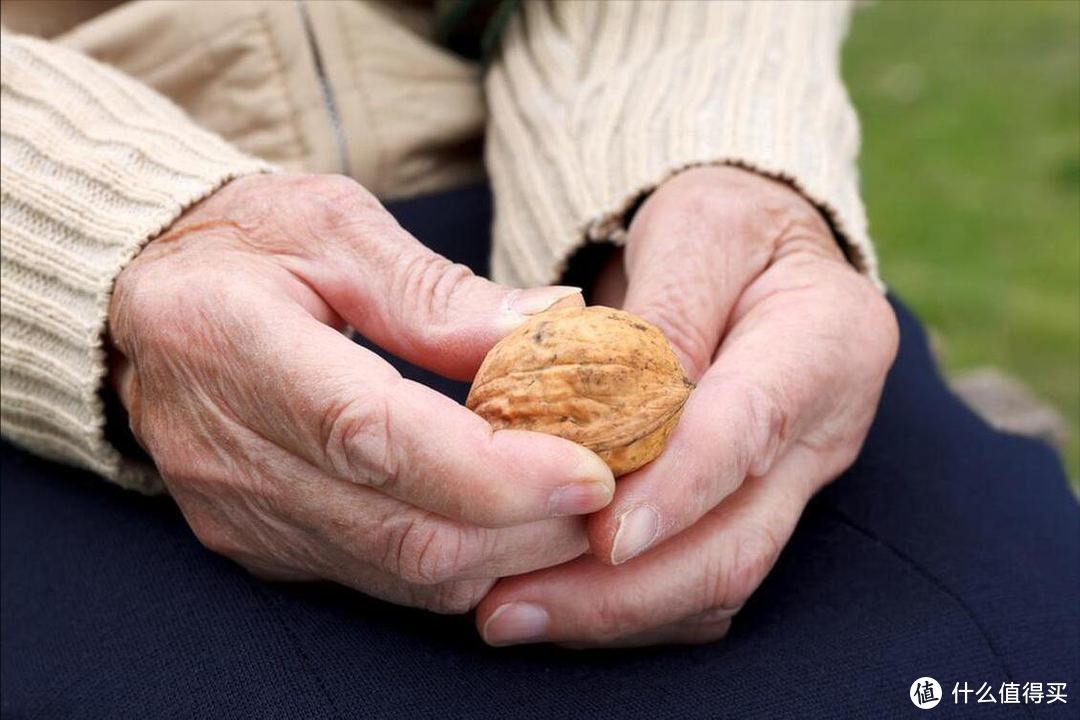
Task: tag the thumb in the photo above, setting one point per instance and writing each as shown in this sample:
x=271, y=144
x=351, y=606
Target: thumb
x=421, y=306
x=440, y=316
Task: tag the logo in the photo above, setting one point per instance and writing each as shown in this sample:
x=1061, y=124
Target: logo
x=925, y=693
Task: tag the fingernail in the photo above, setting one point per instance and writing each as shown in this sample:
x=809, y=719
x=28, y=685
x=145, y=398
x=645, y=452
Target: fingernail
x=516, y=622
x=537, y=300
x=637, y=530
x=579, y=498
x=591, y=469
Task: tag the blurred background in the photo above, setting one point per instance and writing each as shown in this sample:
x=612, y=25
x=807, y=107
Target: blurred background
x=971, y=175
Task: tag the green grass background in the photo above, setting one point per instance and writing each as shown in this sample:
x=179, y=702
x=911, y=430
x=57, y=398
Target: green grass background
x=971, y=174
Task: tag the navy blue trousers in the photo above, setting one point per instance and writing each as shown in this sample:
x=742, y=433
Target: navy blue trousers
x=948, y=550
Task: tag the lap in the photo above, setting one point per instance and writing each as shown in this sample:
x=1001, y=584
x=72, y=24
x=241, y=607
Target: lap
x=948, y=550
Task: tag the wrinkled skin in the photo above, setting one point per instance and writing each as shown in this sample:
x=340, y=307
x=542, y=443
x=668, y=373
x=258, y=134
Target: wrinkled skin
x=789, y=347
x=301, y=455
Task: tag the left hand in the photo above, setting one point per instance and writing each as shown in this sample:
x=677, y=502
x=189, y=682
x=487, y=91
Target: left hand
x=789, y=347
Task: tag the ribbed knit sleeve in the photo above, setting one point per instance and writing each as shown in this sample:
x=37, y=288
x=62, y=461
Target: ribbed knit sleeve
x=594, y=104
x=92, y=165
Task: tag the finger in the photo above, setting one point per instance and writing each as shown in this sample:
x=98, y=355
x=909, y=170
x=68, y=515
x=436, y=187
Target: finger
x=406, y=298
x=367, y=528
x=796, y=361
x=452, y=597
x=716, y=563
x=699, y=629
x=283, y=518
x=346, y=411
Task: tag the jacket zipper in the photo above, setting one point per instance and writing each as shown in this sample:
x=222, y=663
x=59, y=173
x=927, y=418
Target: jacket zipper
x=327, y=91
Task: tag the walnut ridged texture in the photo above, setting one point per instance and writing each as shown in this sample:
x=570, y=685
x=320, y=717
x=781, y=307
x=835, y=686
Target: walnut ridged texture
x=597, y=376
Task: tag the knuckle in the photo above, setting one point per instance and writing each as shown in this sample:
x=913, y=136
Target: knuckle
x=868, y=323
x=424, y=551
x=428, y=285
x=707, y=486
x=670, y=314
x=768, y=424
x=336, y=204
x=617, y=616
x=738, y=572
x=797, y=227
x=357, y=441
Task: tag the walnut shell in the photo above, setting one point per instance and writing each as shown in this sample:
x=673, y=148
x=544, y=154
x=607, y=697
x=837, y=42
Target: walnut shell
x=599, y=377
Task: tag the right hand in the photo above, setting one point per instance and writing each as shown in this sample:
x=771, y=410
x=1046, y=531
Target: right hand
x=301, y=455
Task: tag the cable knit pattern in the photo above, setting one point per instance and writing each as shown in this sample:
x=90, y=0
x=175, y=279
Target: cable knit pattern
x=595, y=104
x=92, y=165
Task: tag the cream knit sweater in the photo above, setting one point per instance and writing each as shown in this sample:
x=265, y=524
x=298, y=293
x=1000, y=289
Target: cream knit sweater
x=591, y=105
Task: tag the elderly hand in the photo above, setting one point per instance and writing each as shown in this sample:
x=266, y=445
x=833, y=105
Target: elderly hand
x=301, y=455
x=789, y=346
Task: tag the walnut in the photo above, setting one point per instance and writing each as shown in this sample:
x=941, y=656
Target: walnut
x=599, y=377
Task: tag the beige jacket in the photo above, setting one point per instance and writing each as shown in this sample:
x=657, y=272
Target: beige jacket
x=586, y=107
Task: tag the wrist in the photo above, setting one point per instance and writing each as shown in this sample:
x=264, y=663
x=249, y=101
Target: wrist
x=745, y=189
x=733, y=201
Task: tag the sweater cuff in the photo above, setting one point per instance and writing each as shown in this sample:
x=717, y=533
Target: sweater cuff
x=573, y=145
x=94, y=166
